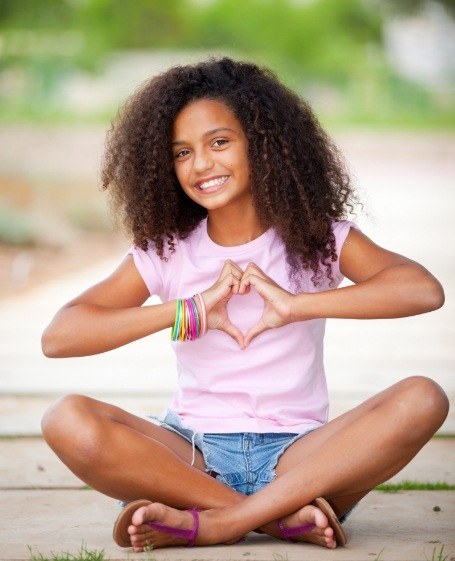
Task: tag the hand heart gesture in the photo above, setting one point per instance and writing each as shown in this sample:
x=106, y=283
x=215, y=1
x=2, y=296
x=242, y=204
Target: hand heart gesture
x=277, y=301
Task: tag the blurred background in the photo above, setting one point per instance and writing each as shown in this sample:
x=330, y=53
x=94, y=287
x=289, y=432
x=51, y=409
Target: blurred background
x=381, y=77
x=366, y=66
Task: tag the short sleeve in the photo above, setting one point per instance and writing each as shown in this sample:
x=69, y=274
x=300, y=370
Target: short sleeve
x=340, y=230
x=147, y=264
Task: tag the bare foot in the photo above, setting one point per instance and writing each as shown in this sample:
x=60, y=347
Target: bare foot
x=143, y=535
x=321, y=534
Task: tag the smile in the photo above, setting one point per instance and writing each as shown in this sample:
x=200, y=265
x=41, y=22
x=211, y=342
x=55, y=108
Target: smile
x=213, y=183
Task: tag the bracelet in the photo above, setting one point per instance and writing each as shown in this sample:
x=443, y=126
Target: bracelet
x=204, y=315
x=188, y=326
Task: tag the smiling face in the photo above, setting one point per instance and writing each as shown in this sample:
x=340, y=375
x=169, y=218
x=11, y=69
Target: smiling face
x=211, y=155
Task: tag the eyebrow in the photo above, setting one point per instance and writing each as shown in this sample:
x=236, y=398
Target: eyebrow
x=208, y=133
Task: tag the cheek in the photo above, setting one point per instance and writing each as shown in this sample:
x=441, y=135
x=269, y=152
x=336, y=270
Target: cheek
x=182, y=174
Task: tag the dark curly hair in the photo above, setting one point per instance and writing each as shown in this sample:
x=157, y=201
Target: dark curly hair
x=298, y=179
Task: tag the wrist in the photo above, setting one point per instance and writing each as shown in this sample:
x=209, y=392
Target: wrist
x=190, y=319
x=300, y=307
x=202, y=313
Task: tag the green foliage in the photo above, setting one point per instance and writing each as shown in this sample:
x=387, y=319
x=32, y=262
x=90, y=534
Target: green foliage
x=323, y=39
x=329, y=50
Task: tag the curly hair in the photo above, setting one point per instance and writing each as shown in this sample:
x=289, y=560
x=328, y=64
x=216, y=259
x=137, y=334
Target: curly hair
x=299, y=182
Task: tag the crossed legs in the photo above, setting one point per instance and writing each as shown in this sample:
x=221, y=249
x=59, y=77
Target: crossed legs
x=128, y=458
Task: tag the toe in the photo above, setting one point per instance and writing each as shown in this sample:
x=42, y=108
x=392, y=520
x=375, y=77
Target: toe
x=139, y=517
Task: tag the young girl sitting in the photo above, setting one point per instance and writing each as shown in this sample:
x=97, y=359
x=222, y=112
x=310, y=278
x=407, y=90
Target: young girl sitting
x=236, y=202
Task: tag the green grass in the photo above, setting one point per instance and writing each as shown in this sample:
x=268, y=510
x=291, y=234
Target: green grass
x=83, y=554
x=414, y=486
x=438, y=555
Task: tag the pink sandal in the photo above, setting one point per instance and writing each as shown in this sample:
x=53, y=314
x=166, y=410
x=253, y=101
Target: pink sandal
x=123, y=539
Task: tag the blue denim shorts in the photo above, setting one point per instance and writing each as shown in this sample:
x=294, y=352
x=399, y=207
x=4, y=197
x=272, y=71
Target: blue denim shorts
x=245, y=461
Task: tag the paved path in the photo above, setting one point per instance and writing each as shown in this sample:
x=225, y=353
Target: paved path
x=404, y=527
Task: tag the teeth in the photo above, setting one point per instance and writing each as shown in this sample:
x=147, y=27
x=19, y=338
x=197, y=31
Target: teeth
x=213, y=182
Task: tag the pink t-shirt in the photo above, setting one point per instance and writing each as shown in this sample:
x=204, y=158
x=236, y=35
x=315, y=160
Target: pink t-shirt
x=278, y=383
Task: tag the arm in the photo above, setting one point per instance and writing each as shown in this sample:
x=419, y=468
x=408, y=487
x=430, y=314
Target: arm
x=106, y=316
x=387, y=285
x=110, y=314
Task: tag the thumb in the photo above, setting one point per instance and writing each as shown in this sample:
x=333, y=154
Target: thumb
x=235, y=333
x=256, y=330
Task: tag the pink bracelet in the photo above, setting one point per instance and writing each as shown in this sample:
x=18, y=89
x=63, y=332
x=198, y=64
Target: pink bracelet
x=204, y=316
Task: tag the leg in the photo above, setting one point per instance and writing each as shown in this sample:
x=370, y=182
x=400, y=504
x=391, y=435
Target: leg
x=341, y=461
x=125, y=457
x=109, y=448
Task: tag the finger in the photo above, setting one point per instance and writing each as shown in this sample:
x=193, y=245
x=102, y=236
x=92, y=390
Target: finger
x=251, y=279
x=264, y=287
x=252, y=268
x=252, y=333
x=235, y=333
x=232, y=281
x=223, y=288
x=235, y=268
x=245, y=281
x=231, y=267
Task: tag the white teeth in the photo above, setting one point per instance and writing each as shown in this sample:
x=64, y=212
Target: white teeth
x=213, y=182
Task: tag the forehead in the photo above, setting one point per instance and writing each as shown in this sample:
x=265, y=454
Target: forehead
x=203, y=115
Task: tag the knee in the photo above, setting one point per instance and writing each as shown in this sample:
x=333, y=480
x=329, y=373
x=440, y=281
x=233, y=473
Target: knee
x=70, y=426
x=425, y=401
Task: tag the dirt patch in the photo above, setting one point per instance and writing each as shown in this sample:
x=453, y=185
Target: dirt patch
x=23, y=268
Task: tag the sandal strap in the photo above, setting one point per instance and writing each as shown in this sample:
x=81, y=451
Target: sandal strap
x=288, y=533
x=189, y=534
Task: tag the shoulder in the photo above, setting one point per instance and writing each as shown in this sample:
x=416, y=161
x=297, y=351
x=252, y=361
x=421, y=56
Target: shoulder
x=361, y=258
x=340, y=230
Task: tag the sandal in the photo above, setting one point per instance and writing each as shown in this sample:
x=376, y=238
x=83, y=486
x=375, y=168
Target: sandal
x=289, y=533
x=120, y=533
x=123, y=539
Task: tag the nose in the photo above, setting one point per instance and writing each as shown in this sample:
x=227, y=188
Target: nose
x=202, y=161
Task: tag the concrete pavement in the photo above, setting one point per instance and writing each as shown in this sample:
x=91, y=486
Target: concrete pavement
x=404, y=527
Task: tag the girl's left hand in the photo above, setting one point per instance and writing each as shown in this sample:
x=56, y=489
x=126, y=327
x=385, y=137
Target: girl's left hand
x=277, y=301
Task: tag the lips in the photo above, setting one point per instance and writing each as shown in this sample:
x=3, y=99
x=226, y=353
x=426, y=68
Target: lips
x=210, y=185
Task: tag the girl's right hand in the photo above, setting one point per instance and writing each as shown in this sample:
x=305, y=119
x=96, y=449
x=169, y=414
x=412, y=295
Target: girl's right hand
x=216, y=299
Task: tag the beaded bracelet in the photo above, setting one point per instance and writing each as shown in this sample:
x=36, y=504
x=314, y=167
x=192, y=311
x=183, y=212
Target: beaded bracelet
x=188, y=326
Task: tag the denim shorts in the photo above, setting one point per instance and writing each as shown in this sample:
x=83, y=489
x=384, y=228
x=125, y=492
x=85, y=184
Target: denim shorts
x=245, y=461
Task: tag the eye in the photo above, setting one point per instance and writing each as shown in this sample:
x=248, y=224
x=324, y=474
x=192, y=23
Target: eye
x=219, y=142
x=181, y=153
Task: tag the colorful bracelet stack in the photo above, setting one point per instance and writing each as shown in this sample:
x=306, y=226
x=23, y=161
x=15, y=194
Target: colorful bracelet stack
x=188, y=324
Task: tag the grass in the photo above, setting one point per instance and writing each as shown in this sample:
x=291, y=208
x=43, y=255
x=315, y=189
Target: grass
x=438, y=555
x=84, y=554
x=414, y=486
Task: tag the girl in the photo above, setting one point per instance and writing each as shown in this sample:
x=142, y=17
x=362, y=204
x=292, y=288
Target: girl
x=236, y=201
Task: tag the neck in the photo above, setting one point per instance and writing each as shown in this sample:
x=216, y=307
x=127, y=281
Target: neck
x=228, y=229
